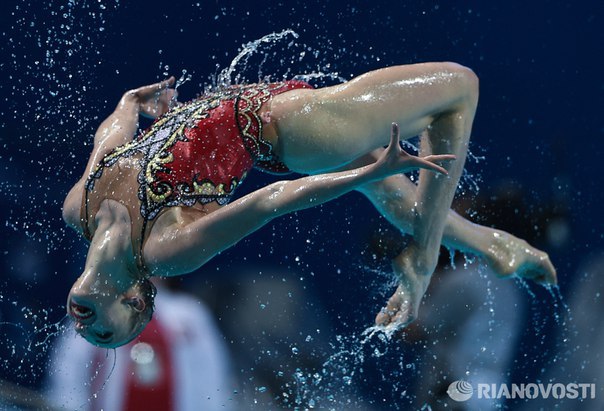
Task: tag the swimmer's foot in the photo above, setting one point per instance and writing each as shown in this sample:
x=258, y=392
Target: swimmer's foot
x=403, y=306
x=510, y=256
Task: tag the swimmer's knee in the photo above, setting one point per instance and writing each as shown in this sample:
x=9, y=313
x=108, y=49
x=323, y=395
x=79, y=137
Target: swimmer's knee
x=465, y=79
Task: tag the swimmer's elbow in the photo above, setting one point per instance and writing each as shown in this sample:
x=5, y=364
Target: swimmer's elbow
x=273, y=201
x=68, y=218
x=71, y=208
x=287, y=196
x=72, y=220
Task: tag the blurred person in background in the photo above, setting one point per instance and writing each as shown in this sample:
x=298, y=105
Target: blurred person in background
x=179, y=363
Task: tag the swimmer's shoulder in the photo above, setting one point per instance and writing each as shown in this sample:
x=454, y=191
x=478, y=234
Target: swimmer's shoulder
x=163, y=245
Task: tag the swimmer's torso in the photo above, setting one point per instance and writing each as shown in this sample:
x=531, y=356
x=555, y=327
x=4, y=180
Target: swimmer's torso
x=190, y=161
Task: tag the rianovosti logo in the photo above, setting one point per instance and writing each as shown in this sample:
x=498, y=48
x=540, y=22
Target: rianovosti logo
x=462, y=391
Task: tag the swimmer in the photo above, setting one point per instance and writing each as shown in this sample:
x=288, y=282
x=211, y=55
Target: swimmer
x=158, y=204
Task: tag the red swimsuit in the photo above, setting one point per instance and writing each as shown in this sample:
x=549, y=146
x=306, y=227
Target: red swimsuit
x=197, y=152
x=201, y=150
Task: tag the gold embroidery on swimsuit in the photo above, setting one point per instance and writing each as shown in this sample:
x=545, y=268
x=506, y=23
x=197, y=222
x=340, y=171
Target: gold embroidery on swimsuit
x=155, y=143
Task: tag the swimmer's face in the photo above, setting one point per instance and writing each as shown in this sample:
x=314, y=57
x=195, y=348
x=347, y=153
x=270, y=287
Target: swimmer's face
x=106, y=318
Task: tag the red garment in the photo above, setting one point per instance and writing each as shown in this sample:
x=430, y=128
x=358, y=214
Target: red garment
x=150, y=385
x=200, y=151
x=224, y=143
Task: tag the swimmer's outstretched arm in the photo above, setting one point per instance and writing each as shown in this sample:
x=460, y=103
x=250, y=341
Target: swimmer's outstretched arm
x=117, y=129
x=182, y=248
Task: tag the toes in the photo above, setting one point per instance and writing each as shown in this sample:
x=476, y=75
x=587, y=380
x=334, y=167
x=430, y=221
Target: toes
x=387, y=313
x=403, y=317
x=542, y=272
x=546, y=279
x=382, y=318
x=398, y=311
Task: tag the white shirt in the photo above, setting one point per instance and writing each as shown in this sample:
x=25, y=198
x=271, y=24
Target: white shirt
x=200, y=363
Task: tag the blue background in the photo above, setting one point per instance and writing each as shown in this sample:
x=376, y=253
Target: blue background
x=63, y=66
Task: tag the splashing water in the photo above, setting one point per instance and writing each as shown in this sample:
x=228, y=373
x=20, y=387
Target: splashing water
x=29, y=339
x=32, y=342
x=561, y=308
x=332, y=386
x=224, y=78
x=524, y=285
x=234, y=72
x=184, y=78
x=319, y=75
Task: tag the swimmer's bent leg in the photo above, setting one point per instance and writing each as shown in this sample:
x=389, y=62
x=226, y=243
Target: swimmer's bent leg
x=329, y=127
x=333, y=126
x=505, y=254
x=448, y=132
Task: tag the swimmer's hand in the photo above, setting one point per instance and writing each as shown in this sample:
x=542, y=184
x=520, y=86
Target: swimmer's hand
x=396, y=160
x=154, y=100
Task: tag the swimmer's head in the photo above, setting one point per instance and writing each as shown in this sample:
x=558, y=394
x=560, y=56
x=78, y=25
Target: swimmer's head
x=109, y=317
